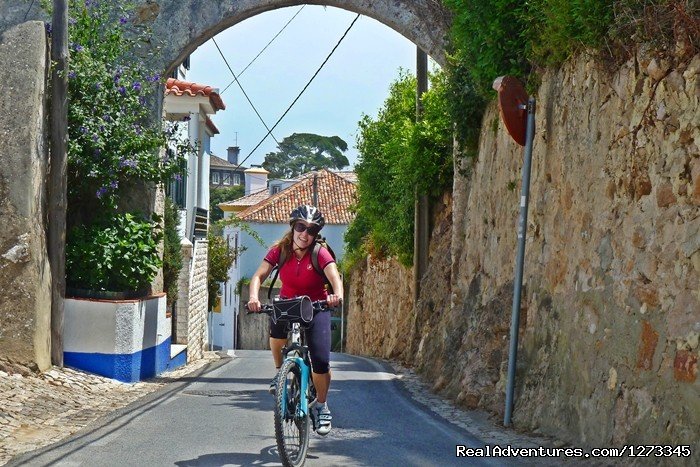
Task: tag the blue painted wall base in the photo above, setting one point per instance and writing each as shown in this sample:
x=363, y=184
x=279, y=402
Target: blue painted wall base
x=128, y=368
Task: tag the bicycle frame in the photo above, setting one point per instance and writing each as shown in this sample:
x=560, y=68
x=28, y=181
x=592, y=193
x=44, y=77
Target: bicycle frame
x=292, y=353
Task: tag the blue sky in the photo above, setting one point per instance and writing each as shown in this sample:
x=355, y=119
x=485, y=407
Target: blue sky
x=354, y=81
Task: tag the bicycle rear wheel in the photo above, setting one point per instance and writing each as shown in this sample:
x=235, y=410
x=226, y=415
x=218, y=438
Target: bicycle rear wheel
x=291, y=430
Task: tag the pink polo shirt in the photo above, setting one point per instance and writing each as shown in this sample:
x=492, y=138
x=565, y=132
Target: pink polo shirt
x=298, y=276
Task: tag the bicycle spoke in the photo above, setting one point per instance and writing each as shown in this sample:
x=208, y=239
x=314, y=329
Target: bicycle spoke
x=291, y=430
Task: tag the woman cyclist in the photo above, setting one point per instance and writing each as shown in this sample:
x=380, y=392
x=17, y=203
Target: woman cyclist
x=300, y=278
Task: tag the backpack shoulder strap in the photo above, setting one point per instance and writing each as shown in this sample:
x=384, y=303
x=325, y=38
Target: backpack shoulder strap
x=283, y=258
x=317, y=268
x=314, y=258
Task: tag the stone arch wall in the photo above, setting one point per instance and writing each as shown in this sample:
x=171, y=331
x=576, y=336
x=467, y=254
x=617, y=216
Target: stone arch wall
x=180, y=26
x=189, y=23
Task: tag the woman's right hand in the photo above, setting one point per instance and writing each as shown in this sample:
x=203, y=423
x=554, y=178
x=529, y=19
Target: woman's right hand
x=254, y=305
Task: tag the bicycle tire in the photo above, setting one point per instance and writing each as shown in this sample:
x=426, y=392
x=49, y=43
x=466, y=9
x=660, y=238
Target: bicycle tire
x=291, y=432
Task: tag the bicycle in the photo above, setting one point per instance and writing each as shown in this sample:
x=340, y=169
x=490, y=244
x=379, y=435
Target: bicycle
x=295, y=394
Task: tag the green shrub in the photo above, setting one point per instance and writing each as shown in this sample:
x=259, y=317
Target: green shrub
x=487, y=37
x=556, y=29
x=114, y=254
x=397, y=157
x=172, y=252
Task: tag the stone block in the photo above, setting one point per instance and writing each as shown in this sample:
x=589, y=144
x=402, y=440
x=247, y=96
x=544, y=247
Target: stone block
x=647, y=346
x=685, y=366
x=25, y=276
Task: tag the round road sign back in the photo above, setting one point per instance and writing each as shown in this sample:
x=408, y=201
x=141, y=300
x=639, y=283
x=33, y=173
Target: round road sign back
x=512, y=105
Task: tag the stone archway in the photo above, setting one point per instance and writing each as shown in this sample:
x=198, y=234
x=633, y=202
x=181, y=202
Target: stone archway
x=180, y=26
x=183, y=25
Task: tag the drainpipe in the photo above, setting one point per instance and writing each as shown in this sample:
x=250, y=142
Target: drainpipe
x=315, y=186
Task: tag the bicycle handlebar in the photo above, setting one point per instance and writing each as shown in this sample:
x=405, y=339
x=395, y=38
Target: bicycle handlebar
x=318, y=306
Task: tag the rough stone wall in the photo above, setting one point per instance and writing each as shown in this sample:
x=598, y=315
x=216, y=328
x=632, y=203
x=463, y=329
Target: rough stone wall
x=182, y=305
x=254, y=329
x=380, y=309
x=197, y=337
x=611, y=302
x=25, y=285
x=192, y=300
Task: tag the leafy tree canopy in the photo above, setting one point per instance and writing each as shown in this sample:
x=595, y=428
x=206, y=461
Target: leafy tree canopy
x=304, y=152
x=221, y=195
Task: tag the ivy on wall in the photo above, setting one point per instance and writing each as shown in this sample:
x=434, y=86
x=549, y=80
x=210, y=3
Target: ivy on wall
x=489, y=38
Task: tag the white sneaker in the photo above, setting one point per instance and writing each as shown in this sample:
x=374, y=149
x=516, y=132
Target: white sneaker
x=323, y=419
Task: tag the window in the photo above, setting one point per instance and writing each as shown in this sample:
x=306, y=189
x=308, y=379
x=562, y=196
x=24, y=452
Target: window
x=275, y=189
x=226, y=178
x=236, y=179
x=215, y=178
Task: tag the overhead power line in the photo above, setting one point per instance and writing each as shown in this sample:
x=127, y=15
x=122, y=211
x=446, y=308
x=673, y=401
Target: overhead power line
x=263, y=49
x=302, y=91
x=235, y=78
x=28, y=10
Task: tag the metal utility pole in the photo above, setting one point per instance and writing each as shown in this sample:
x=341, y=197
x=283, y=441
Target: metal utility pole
x=420, y=224
x=57, y=174
x=518, y=114
x=518, y=283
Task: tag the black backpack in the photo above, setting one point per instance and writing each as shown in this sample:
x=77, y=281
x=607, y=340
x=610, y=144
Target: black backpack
x=318, y=243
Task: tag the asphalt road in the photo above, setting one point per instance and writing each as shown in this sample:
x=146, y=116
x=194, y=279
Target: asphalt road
x=224, y=417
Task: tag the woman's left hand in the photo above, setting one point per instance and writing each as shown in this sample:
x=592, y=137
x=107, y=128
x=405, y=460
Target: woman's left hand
x=334, y=300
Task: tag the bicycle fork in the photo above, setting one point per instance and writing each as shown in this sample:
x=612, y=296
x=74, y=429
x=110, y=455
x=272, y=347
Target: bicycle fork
x=302, y=408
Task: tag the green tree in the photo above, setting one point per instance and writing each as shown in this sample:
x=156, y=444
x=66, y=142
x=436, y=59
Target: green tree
x=304, y=152
x=222, y=256
x=172, y=252
x=398, y=156
x=221, y=195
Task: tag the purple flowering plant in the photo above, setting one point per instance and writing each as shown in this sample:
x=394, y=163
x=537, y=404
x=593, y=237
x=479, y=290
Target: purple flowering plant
x=114, y=142
x=113, y=136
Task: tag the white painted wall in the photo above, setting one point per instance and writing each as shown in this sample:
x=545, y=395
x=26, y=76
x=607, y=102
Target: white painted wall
x=114, y=327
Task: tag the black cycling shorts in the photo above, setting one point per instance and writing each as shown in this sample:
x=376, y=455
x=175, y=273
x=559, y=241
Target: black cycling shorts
x=318, y=339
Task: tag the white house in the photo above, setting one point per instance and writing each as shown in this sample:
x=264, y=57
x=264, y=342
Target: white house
x=267, y=214
x=193, y=103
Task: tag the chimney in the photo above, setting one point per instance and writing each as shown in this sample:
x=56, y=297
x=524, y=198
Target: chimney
x=233, y=152
x=255, y=179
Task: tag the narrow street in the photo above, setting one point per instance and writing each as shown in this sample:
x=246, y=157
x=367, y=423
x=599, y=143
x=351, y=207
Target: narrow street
x=224, y=417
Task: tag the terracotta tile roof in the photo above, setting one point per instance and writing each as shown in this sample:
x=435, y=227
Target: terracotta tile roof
x=212, y=127
x=350, y=176
x=179, y=88
x=248, y=200
x=335, y=196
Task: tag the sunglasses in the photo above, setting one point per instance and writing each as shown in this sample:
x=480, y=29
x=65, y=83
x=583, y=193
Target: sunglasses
x=312, y=229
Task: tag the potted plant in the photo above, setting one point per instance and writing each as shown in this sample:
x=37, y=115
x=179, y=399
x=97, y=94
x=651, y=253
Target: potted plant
x=115, y=257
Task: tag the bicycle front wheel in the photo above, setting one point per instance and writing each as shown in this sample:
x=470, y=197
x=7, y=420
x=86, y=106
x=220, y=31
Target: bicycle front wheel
x=291, y=429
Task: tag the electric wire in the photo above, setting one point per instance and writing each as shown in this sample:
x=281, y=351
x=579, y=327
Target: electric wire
x=28, y=10
x=235, y=78
x=302, y=91
x=263, y=49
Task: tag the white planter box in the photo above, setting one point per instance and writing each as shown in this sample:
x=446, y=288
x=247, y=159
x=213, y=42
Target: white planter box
x=127, y=340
